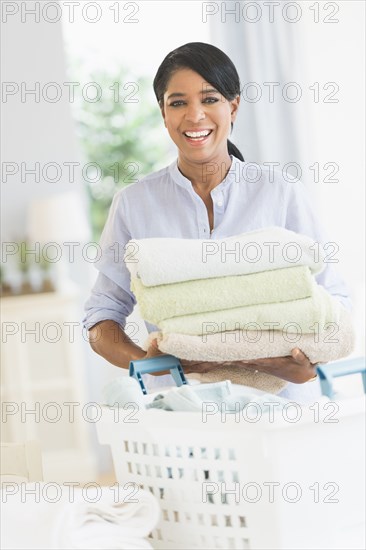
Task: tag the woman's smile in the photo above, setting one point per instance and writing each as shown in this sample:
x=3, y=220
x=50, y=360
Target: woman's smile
x=197, y=137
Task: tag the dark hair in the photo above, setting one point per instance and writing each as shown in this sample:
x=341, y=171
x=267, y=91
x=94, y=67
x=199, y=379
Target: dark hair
x=208, y=61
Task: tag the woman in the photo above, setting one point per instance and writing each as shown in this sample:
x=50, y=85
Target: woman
x=204, y=193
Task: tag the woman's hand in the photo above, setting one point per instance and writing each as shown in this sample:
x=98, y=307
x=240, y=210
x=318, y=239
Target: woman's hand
x=153, y=351
x=293, y=368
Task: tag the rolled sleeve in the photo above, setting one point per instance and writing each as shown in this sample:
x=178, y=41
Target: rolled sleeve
x=107, y=301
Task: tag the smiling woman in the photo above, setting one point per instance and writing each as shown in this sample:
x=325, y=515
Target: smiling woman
x=198, y=123
x=207, y=192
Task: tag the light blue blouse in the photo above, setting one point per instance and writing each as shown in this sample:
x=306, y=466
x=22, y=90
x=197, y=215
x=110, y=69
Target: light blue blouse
x=164, y=204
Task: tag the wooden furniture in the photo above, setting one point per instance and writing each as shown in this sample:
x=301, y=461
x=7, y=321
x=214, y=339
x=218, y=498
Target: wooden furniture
x=43, y=383
x=21, y=461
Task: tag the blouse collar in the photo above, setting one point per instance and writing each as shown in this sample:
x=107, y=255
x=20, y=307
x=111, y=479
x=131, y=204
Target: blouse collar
x=181, y=180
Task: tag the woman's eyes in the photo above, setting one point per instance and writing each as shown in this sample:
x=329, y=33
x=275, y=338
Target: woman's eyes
x=208, y=100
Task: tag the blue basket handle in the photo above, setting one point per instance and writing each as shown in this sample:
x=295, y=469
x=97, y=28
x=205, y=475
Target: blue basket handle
x=156, y=364
x=330, y=371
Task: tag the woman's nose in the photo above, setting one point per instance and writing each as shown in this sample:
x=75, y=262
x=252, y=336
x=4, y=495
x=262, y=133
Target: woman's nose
x=195, y=113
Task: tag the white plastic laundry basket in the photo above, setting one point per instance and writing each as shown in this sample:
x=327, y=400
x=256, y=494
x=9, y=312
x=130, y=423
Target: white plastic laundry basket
x=291, y=480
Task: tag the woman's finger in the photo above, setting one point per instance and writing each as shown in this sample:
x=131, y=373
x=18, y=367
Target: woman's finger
x=153, y=349
x=299, y=356
x=154, y=343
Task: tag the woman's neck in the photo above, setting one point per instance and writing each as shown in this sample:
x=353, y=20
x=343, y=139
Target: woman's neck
x=206, y=175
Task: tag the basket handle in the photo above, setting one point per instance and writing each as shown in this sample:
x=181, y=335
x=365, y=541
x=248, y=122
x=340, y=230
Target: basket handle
x=156, y=364
x=329, y=371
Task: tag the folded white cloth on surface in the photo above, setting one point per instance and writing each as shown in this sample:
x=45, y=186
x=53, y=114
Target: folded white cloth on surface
x=114, y=521
x=158, y=261
x=29, y=512
x=333, y=342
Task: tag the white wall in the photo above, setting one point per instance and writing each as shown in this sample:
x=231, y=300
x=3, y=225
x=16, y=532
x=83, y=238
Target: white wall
x=35, y=131
x=39, y=132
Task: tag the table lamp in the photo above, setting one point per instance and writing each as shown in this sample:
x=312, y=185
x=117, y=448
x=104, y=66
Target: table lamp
x=57, y=219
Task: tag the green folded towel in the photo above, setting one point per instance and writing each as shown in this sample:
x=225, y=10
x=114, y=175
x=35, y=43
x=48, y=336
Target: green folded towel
x=296, y=316
x=161, y=302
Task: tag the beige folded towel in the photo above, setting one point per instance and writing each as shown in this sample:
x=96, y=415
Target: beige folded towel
x=332, y=343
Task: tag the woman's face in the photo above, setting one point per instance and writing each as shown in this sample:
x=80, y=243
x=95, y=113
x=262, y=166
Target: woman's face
x=193, y=105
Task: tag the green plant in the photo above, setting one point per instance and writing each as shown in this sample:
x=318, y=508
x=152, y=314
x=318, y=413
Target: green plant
x=25, y=258
x=122, y=134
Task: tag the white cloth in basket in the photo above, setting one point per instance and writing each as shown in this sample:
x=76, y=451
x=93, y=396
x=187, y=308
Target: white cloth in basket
x=123, y=390
x=189, y=398
x=201, y=397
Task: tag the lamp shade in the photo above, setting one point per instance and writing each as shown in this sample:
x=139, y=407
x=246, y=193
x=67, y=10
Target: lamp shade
x=58, y=218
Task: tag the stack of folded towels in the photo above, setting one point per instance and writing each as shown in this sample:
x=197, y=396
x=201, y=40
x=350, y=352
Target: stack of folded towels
x=245, y=297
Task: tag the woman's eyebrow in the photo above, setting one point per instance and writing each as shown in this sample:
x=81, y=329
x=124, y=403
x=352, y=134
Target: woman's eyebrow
x=205, y=91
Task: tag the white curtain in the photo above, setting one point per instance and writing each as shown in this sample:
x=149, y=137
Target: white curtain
x=271, y=126
x=320, y=137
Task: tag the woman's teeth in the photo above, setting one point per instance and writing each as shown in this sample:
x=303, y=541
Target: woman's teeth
x=198, y=136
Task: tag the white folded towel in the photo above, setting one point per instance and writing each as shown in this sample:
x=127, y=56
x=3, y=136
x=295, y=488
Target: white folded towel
x=114, y=521
x=158, y=261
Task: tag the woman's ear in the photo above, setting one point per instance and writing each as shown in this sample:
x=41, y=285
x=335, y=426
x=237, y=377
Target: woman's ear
x=234, y=107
